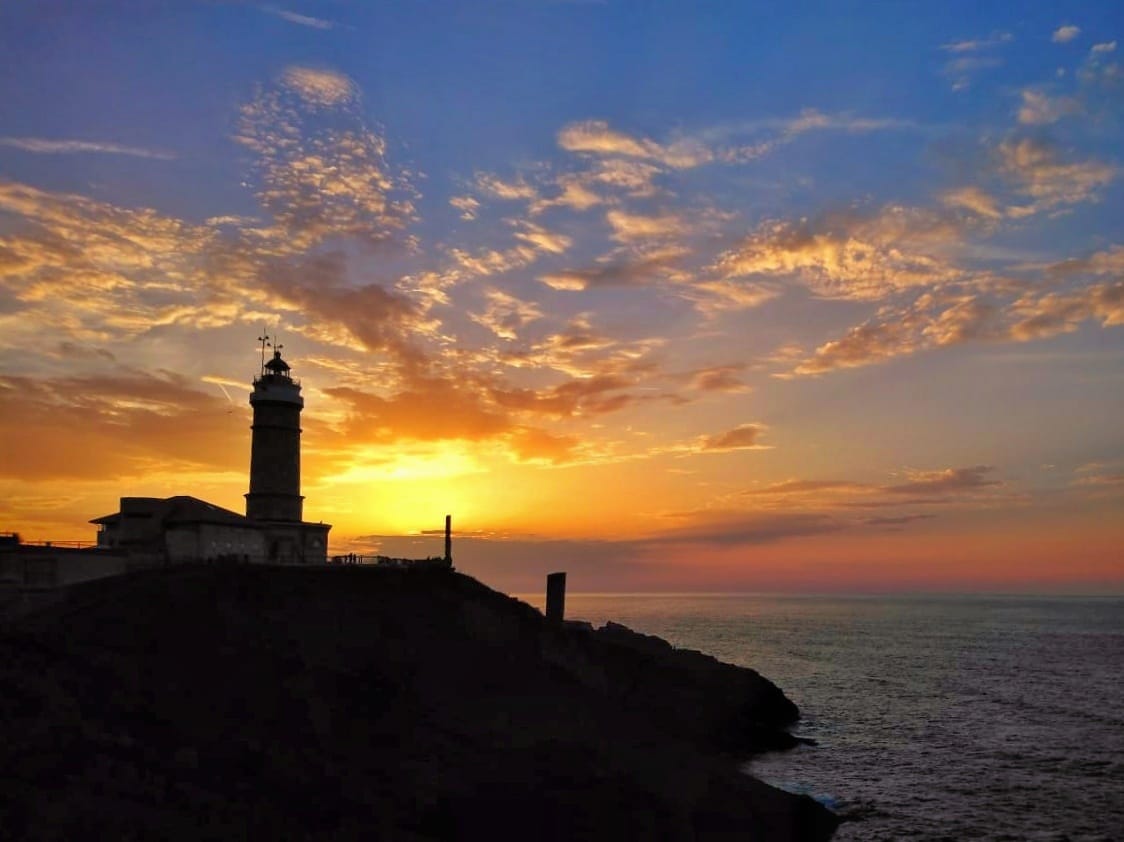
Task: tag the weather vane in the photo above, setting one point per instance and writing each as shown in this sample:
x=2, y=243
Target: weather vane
x=264, y=340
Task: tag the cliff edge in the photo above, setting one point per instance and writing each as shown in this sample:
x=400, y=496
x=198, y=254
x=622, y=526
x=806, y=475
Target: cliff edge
x=289, y=703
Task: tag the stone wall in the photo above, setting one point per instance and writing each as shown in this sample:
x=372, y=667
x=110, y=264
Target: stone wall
x=214, y=542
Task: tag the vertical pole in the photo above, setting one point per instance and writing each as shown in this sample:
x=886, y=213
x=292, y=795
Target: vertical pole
x=555, y=597
x=448, y=539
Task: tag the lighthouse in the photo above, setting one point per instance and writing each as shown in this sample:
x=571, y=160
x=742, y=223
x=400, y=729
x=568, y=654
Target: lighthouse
x=275, y=450
x=275, y=499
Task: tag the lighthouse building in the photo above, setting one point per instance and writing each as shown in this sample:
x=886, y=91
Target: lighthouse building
x=168, y=530
x=274, y=501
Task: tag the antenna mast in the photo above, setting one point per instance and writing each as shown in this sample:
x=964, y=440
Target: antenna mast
x=264, y=340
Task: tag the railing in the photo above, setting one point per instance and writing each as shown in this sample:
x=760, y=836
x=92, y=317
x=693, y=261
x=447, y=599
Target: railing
x=387, y=561
x=69, y=545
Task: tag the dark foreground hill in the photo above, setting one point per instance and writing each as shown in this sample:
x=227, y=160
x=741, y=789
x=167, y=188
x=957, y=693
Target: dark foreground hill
x=353, y=703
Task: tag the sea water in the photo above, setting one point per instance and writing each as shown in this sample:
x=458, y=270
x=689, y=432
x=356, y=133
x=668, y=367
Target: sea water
x=935, y=717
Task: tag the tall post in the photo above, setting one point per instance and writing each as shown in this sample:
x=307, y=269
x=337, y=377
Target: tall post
x=449, y=539
x=555, y=597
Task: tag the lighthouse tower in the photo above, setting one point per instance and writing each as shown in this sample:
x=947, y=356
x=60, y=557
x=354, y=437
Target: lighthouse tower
x=275, y=453
x=275, y=503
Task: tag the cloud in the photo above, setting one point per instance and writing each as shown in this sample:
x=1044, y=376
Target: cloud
x=428, y=409
x=794, y=486
x=742, y=437
x=923, y=488
x=868, y=343
x=581, y=352
x=974, y=199
x=1037, y=170
x=961, y=70
x=318, y=86
x=597, y=138
x=987, y=313
x=621, y=272
x=924, y=483
x=712, y=298
x=719, y=378
x=968, y=318
x=1032, y=169
x=91, y=271
x=505, y=314
x=811, y=119
x=1065, y=34
x=116, y=423
x=532, y=241
x=573, y=192
x=71, y=147
x=1099, y=70
x=597, y=395
x=846, y=255
x=628, y=228
x=1102, y=480
x=497, y=188
x=634, y=178
x=1042, y=316
x=971, y=56
x=301, y=20
x=734, y=529
x=467, y=205
x=540, y=238
x=899, y=520
x=976, y=44
x=533, y=445
x=488, y=261
x=321, y=172
x=1038, y=109
x=316, y=286
x=1107, y=262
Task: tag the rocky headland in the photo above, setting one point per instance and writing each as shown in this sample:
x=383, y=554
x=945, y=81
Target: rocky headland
x=357, y=703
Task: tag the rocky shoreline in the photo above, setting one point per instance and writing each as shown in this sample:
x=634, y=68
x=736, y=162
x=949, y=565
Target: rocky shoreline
x=211, y=703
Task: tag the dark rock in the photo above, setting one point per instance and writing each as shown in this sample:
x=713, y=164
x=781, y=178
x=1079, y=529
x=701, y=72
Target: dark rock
x=288, y=703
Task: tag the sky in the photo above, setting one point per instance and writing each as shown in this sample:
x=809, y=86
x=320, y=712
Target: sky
x=673, y=296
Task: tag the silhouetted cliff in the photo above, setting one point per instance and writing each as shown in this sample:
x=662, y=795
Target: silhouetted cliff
x=360, y=703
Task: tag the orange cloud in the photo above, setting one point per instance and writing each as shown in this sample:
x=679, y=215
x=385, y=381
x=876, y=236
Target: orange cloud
x=743, y=437
x=848, y=256
x=1038, y=172
x=120, y=424
x=1038, y=109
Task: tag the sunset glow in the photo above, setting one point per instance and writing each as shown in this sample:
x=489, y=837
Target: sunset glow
x=671, y=299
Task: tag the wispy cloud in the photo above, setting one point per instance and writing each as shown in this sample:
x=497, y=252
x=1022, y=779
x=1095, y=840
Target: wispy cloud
x=44, y=146
x=1039, y=109
x=321, y=171
x=742, y=437
x=1039, y=172
x=849, y=255
x=946, y=481
x=860, y=346
x=301, y=20
x=1065, y=34
x=1042, y=316
x=974, y=45
x=596, y=137
x=505, y=315
x=970, y=56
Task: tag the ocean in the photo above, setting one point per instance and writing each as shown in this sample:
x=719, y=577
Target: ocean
x=970, y=717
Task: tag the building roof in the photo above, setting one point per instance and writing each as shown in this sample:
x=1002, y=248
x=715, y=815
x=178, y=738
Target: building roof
x=172, y=511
